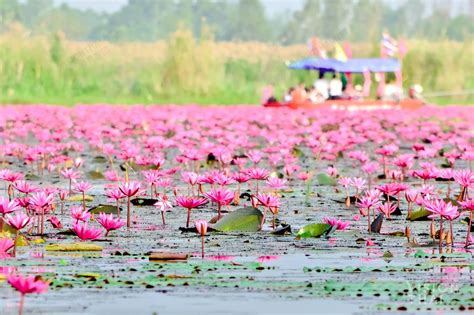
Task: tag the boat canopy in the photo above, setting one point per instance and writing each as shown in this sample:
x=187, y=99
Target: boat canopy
x=351, y=65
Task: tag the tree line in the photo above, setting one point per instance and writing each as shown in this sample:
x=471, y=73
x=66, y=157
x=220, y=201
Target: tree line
x=244, y=20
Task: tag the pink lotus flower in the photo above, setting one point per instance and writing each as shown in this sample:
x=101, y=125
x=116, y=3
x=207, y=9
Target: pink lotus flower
x=190, y=178
x=82, y=187
x=70, y=174
x=111, y=176
x=275, y=183
x=221, y=196
x=331, y=171
x=41, y=201
x=78, y=214
x=254, y=156
x=387, y=209
x=164, y=205
x=13, y=177
x=18, y=221
x=190, y=202
x=129, y=189
x=109, y=222
x=7, y=206
x=344, y=182
x=359, y=156
x=440, y=208
x=24, y=187
x=86, y=233
x=201, y=228
x=270, y=202
x=339, y=224
x=367, y=202
x=304, y=176
x=257, y=174
x=241, y=177
x=55, y=222
x=370, y=167
x=5, y=245
x=465, y=178
x=223, y=180
x=27, y=285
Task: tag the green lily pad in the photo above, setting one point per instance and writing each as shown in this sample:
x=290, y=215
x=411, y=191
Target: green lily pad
x=313, y=230
x=78, y=247
x=326, y=180
x=95, y=175
x=79, y=198
x=243, y=220
x=419, y=215
x=104, y=208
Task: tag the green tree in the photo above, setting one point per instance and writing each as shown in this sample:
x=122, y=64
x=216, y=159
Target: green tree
x=303, y=24
x=250, y=22
x=335, y=19
x=366, y=20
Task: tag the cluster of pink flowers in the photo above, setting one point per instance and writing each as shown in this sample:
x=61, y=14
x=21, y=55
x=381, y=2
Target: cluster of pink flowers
x=384, y=163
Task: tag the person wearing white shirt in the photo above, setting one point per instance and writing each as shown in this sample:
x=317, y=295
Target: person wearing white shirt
x=322, y=87
x=335, y=88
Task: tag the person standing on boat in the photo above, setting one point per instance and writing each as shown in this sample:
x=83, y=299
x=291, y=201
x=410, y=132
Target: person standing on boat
x=335, y=88
x=322, y=86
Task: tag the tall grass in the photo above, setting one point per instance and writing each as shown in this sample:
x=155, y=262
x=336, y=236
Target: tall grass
x=188, y=70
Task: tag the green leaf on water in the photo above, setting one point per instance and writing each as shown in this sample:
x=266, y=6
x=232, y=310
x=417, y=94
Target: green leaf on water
x=326, y=180
x=78, y=198
x=104, y=208
x=95, y=175
x=421, y=254
x=313, y=230
x=78, y=247
x=243, y=220
x=419, y=215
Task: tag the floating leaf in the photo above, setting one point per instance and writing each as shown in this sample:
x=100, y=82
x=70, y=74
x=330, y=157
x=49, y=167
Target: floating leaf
x=137, y=167
x=419, y=215
x=421, y=254
x=244, y=220
x=95, y=175
x=313, y=230
x=88, y=275
x=387, y=254
x=21, y=241
x=162, y=256
x=78, y=247
x=143, y=201
x=326, y=180
x=77, y=198
x=104, y=208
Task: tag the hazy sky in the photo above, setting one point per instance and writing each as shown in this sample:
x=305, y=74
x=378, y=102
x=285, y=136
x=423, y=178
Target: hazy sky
x=272, y=6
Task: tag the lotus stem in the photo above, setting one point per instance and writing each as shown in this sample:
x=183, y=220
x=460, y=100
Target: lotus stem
x=22, y=302
x=189, y=218
x=202, y=246
x=128, y=212
x=468, y=236
x=163, y=217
